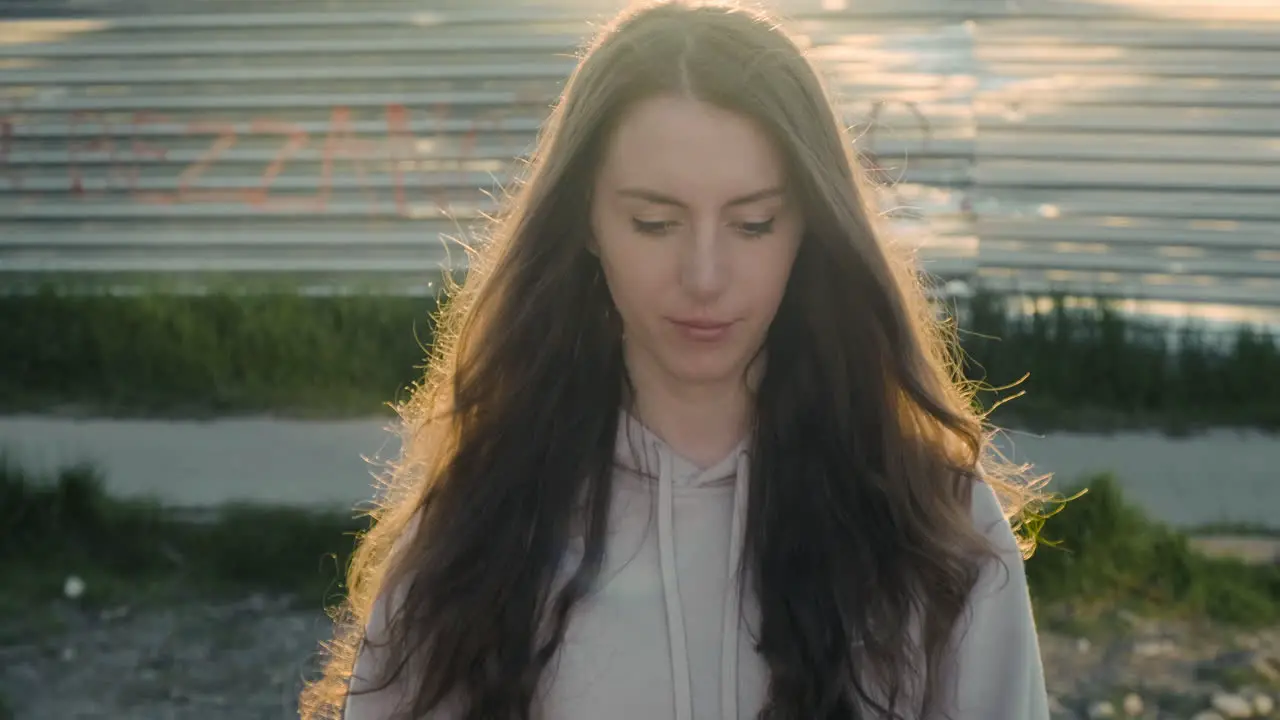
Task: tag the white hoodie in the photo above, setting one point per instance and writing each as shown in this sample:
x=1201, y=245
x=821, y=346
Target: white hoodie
x=663, y=638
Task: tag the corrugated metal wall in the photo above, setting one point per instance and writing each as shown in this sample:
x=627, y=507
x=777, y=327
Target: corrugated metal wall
x=1129, y=147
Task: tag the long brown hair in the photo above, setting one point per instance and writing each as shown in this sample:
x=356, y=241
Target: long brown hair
x=866, y=445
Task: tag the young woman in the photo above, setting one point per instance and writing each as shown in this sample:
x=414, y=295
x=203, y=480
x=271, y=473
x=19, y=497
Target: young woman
x=690, y=445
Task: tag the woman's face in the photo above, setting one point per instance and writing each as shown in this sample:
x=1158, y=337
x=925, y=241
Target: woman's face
x=696, y=235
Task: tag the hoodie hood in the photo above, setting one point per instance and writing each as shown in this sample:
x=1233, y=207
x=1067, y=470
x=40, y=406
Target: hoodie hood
x=647, y=456
x=641, y=452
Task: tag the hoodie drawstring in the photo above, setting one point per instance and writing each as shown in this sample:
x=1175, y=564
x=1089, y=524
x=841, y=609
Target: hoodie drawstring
x=733, y=598
x=671, y=593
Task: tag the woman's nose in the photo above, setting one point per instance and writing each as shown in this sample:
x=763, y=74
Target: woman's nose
x=705, y=269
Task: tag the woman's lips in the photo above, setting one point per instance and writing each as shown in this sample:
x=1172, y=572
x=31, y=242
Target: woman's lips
x=701, y=330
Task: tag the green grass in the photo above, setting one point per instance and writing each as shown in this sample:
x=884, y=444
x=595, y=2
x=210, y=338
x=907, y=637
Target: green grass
x=130, y=552
x=220, y=353
x=277, y=352
x=1106, y=555
x=1103, y=553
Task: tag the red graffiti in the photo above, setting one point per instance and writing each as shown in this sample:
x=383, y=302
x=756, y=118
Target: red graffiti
x=295, y=140
x=343, y=144
x=402, y=149
x=6, y=147
x=79, y=151
x=224, y=139
x=105, y=159
x=143, y=152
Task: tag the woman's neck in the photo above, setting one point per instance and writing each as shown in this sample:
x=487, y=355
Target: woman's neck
x=701, y=422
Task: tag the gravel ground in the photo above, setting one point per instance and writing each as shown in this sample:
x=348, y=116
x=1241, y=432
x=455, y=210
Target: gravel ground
x=246, y=661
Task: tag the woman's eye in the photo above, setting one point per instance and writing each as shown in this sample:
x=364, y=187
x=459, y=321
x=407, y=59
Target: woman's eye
x=651, y=227
x=662, y=227
x=756, y=229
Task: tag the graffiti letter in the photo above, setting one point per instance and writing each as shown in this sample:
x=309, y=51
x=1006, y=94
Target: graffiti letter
x=6, y=149
x=342, y=143
x=104, y=142
x=297, y=139
x=225, y=133
x=140, y=152
x=402, y=150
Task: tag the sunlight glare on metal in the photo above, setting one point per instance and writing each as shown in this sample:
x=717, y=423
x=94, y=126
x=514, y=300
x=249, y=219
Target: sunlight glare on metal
x=19, y=32
x=1081, y=248
x=1181, y=251
x=1228, y=315
x=1219, y=225
x=1221, y=10
x=1065, y=276
x=1004, y=245
x=426, y=19
x=1058, y=50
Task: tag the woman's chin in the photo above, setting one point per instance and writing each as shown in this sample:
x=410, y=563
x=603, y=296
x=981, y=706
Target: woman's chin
x=706, y=370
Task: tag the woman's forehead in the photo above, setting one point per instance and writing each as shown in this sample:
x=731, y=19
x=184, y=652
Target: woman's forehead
x=690, y=150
